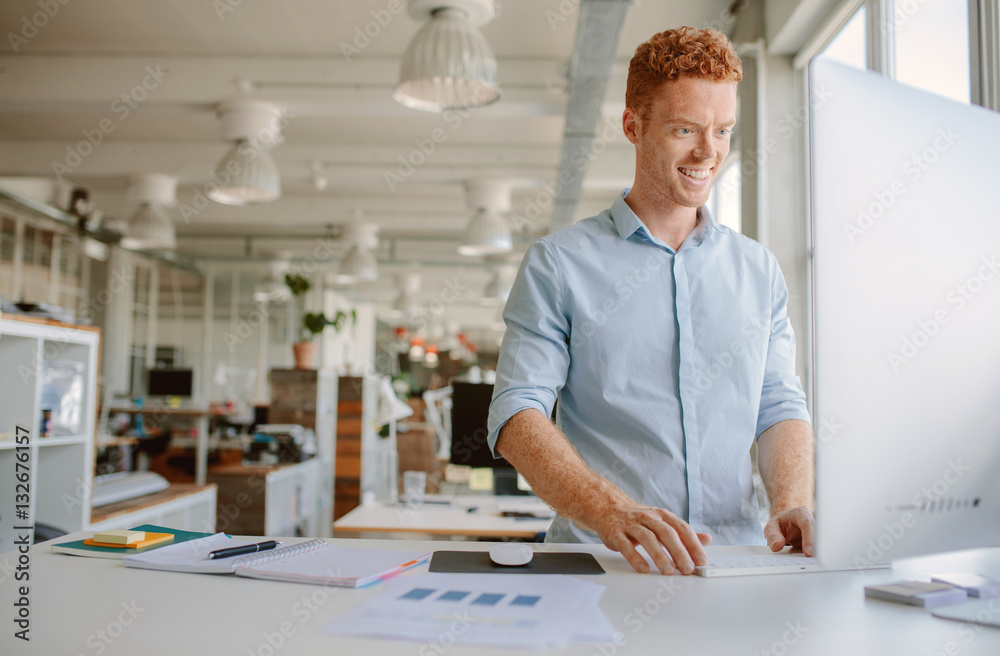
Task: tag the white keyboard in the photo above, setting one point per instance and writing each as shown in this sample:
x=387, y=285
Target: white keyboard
x=779, y=563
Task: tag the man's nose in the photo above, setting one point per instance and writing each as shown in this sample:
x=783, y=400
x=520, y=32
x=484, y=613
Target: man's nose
x=704, y=149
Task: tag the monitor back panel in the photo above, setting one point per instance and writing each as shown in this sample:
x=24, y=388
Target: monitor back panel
x=906, y=324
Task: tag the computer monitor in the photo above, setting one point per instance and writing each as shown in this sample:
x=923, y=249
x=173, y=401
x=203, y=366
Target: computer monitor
x=906, y=324
x=469, y=411
x=170, y=382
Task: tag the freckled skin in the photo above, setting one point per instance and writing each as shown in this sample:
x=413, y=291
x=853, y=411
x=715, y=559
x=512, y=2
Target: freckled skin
x=687, y=127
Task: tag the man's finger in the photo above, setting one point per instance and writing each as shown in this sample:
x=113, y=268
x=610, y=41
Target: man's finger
x=668, y=536
x=692, y=545
x=653, y=543
x=705, y=539
x=807, y=526
x=773, y=535
x=624, y=546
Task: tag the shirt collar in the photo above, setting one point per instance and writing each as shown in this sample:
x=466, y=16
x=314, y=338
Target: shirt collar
x=627, y=222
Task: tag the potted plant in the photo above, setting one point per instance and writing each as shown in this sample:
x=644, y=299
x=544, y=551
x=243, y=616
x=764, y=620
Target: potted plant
x=312, y=323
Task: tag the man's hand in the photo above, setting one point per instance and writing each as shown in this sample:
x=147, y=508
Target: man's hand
x=795, y=527
x=669, y=540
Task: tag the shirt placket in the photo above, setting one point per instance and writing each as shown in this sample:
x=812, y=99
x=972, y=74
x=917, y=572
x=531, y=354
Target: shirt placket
x=686, y=379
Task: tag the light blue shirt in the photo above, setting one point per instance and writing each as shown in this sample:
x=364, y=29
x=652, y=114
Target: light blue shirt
x=667, y=364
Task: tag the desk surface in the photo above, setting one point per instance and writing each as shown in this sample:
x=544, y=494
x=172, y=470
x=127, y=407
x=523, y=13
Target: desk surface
x=454, y=519
x=74, y=601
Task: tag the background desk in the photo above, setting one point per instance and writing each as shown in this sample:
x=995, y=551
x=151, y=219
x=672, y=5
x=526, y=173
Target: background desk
x=201, y=418
x=74, y=600
x=453, y=520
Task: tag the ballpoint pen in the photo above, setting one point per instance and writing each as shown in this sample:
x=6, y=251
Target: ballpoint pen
x=245, y=549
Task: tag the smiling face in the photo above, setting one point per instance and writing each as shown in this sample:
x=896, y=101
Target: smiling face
x=682, y=140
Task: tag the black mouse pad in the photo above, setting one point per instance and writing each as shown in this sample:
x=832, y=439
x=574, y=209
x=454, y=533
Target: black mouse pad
x=543, y=562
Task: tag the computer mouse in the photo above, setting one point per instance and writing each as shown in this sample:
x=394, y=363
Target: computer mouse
x=511, y=554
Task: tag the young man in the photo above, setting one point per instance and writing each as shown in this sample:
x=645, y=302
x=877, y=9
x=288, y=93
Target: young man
x=665, y=337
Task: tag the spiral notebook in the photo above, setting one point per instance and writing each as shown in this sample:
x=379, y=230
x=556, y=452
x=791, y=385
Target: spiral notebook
x=314, y=561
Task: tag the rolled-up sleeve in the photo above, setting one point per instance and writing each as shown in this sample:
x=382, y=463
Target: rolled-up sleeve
x=534, y=354
x=781, y=397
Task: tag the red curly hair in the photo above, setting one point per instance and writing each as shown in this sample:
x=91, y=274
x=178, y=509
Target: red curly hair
x=668, y=55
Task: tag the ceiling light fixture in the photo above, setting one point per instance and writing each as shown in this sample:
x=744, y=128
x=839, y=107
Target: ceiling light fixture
x=359, y=265
x=318, y=180
x=409, y=286
x=247, y=174
x=487, y=232
x=150, y=227
x=449, y=64
x=497, y=290
x=272, y=288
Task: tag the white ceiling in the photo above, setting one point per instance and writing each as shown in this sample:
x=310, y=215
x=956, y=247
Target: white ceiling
x=66, y=78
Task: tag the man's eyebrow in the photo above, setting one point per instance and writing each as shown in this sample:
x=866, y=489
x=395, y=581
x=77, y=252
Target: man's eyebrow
x=683, y=120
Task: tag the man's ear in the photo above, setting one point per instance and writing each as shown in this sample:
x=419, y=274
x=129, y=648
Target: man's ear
x=631, y=124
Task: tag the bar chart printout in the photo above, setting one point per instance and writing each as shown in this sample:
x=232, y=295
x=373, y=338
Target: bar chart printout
x=515, y=610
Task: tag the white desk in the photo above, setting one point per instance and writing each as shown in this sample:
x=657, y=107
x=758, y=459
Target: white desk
x=453, y=520
x=73, y=599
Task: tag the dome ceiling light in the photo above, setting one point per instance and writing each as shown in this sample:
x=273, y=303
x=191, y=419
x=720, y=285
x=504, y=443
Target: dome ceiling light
x=247, y=174
x=488, y=232
x=449, y=64
x=150, y=227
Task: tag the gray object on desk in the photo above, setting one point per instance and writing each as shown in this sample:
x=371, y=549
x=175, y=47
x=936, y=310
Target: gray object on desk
x=478, y=562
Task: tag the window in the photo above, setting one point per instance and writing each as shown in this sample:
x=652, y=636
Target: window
x=724, y=202
x=849, y=46
x=932, y=46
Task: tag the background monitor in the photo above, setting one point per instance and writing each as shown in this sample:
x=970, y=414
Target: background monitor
x=170, y=382
x=469, y=412
x=906, y=324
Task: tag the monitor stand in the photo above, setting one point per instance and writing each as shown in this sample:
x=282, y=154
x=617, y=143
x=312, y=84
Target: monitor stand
x=505, y=483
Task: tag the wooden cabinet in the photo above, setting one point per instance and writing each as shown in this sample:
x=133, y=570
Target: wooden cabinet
x=350, y=411
x=278, y=500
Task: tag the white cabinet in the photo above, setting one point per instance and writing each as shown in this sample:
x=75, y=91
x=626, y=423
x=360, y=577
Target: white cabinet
x=59, y=469
x=182, y=506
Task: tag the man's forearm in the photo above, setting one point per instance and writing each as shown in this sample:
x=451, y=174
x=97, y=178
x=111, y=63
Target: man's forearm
x=555, y=471
x=785, y=460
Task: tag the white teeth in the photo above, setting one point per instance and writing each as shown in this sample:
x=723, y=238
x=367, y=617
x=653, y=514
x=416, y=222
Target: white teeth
x=697, y=175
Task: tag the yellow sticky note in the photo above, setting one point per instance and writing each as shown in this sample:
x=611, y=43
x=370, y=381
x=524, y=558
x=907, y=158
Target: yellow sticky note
x=120, y=537
x=481, y=478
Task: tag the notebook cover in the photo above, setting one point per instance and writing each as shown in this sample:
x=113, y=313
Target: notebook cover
x=543, y=562
x=78, y=548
